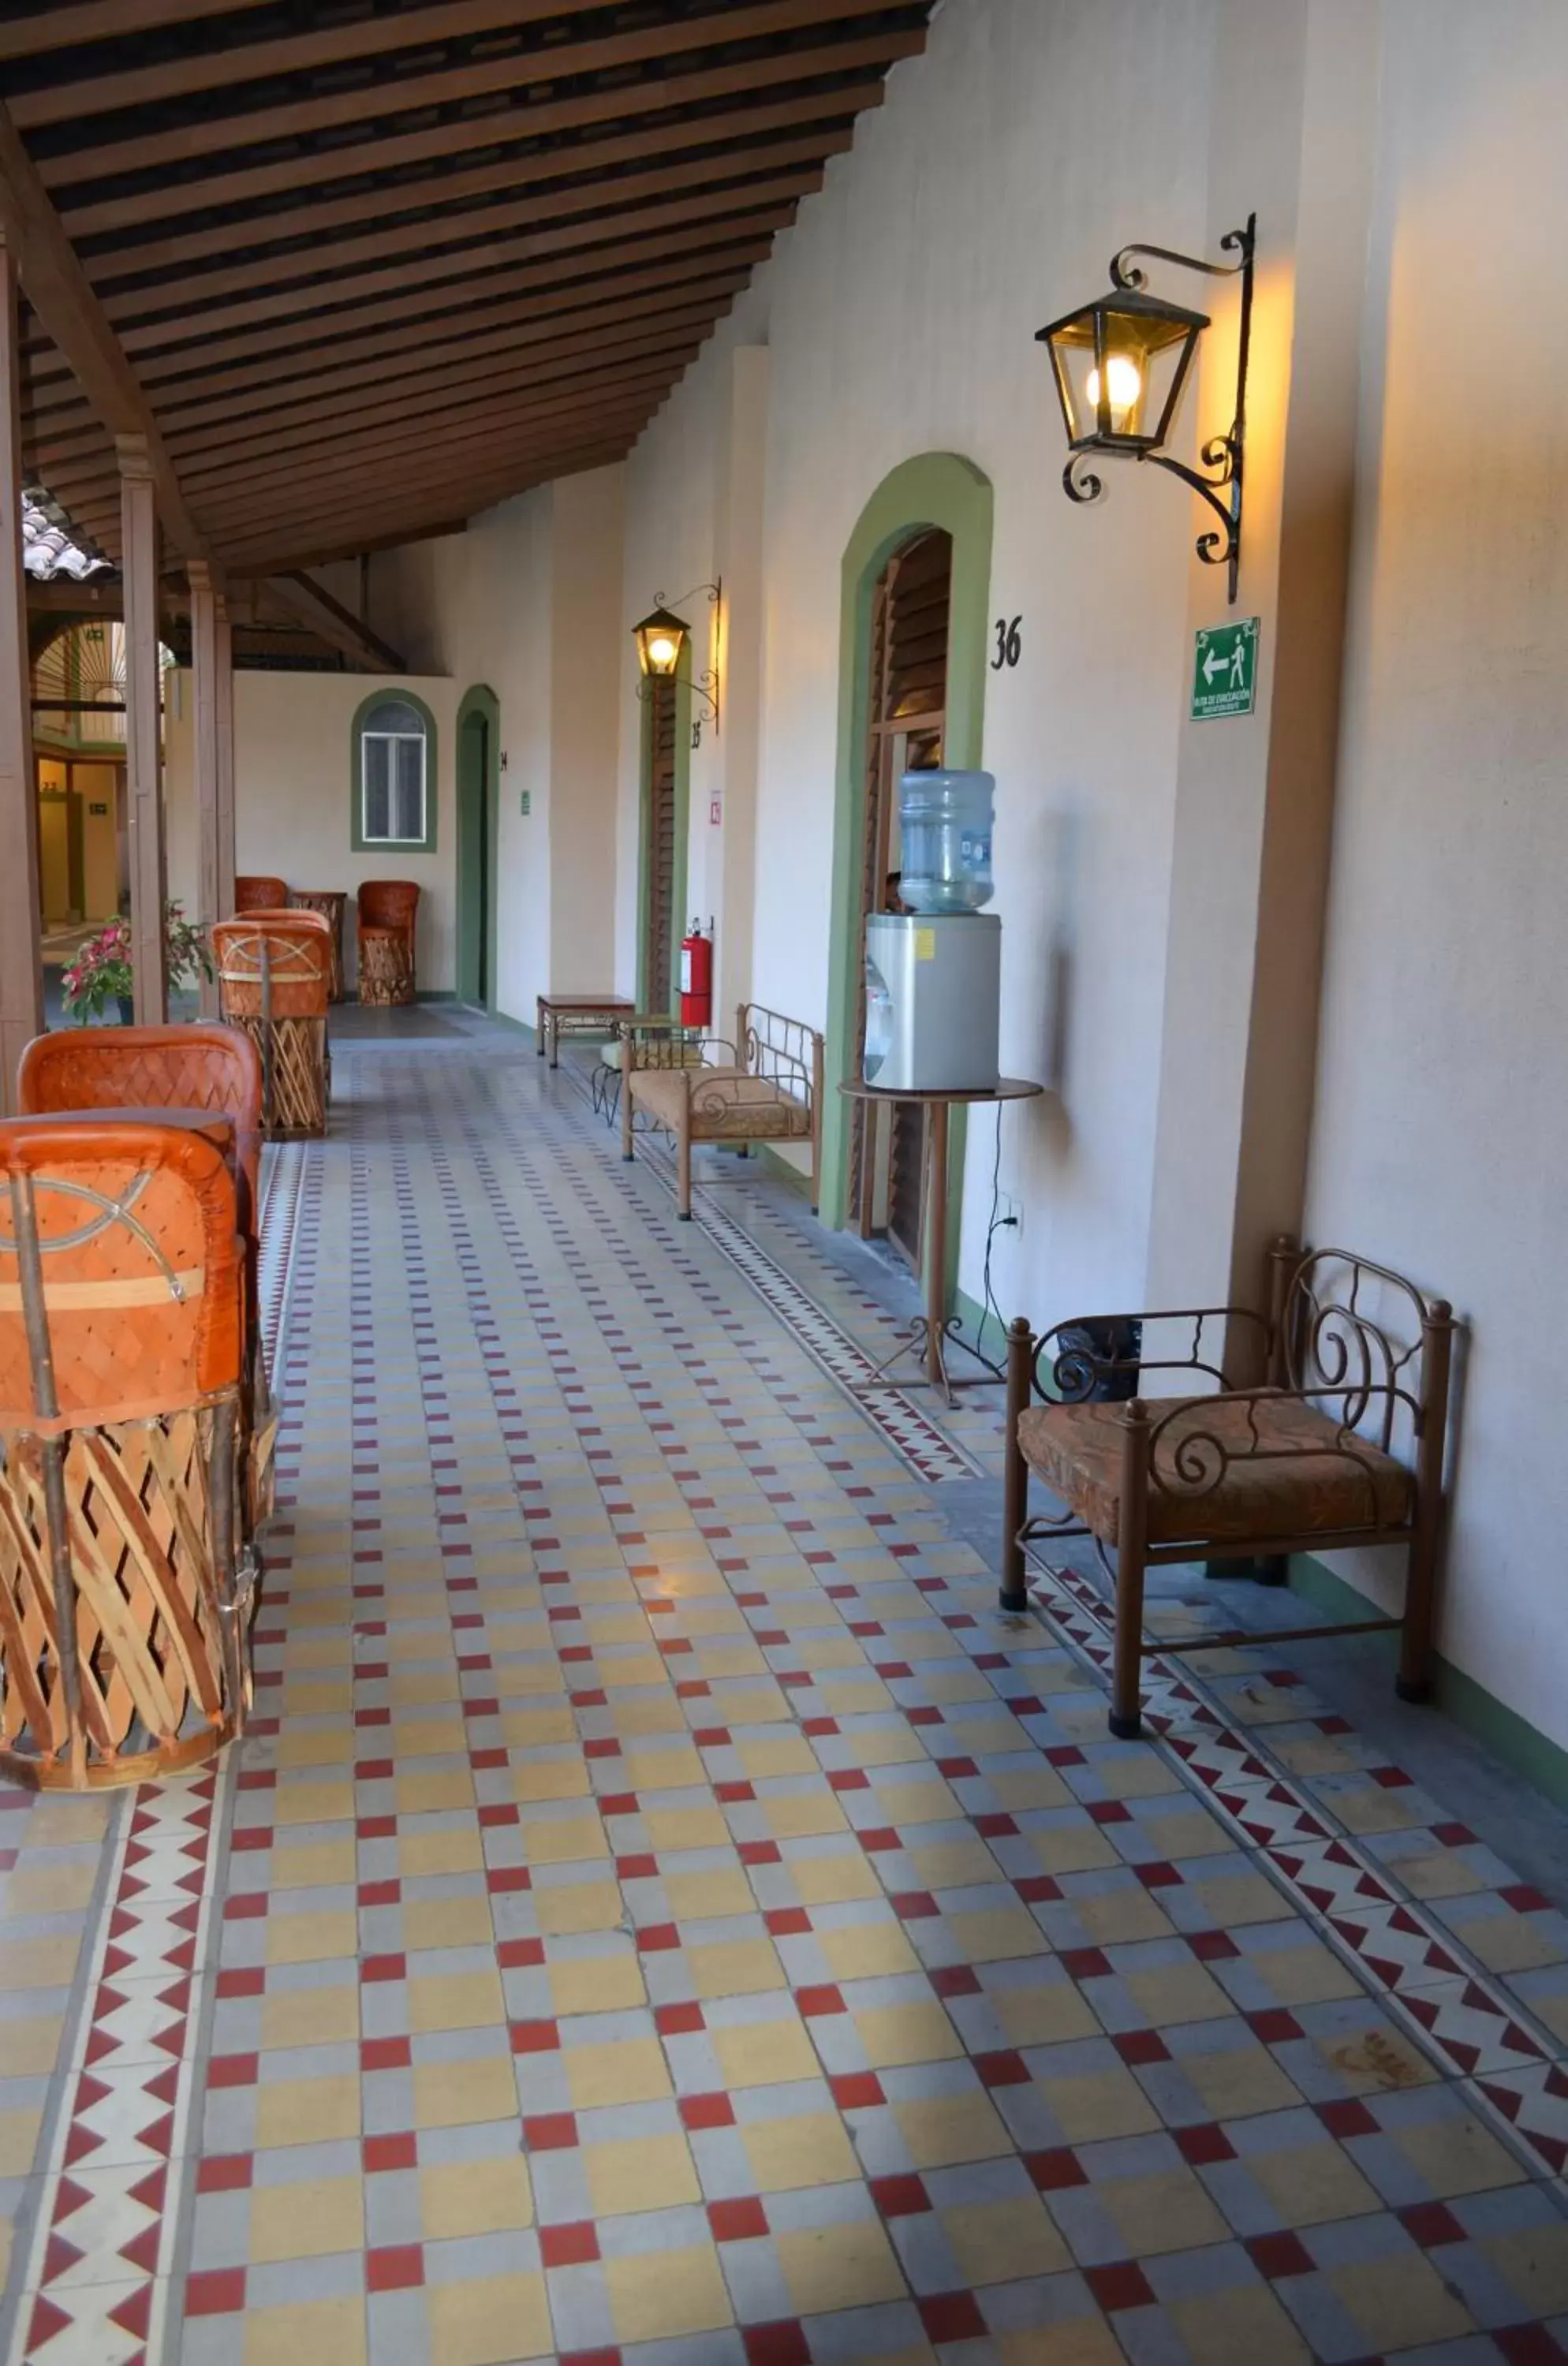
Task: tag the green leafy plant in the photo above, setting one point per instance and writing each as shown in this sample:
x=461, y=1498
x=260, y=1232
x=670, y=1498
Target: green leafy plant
x=102, y=972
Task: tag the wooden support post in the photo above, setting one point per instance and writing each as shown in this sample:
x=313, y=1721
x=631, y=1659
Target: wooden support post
x=225, y=858
x=139, y=534
x=21, y=975
x=211, y=646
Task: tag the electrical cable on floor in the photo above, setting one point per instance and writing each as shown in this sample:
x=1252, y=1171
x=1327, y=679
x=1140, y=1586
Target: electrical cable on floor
x=996, y=1224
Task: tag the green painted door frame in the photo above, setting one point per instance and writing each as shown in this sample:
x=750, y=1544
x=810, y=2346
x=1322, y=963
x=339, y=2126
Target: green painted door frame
x=936, y=489
x=682, y=835
x=478, y=810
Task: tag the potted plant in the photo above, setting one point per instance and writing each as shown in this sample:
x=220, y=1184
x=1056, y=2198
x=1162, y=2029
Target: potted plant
x=102, y=972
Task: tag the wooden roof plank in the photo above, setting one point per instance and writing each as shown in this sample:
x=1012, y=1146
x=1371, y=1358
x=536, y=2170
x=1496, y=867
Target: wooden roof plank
x=210, y=132
x=314, y=606
x=60, y=24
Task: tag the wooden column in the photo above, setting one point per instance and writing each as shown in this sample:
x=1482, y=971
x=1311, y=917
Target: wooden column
x=21, y=975
x=139, y=536
x=212, y=655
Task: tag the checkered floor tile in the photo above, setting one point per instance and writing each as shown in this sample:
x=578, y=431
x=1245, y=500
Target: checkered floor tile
x=661, y=1913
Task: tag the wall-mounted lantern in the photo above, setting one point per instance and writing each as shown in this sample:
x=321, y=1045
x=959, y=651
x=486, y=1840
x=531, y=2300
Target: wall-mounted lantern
x=662, y=639
x=1121, y=362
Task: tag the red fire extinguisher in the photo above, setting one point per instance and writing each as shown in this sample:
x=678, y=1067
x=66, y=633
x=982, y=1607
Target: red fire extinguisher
x=697, y=977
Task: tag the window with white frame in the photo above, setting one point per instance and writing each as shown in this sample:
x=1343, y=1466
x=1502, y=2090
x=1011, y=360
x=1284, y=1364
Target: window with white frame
x=394, y=774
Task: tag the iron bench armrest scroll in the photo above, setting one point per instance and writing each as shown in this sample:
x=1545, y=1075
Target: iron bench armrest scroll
x=1079, y=1366
x=1189, y=1460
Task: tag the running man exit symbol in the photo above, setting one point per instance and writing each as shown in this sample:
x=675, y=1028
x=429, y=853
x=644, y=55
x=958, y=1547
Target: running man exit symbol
x=1225, y=670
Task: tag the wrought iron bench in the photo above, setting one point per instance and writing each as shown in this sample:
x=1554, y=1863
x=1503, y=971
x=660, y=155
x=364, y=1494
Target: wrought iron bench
x=764, y=1086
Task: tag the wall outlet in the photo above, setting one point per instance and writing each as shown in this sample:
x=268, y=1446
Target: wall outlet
x=526, y=801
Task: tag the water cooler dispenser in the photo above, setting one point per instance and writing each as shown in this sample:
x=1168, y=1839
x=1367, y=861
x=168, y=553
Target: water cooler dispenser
x=933, y=972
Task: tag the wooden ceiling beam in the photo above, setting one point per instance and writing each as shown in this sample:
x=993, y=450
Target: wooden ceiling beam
x=61, y=293
x=472, y=448
x=301, y=461
x=311, y=606
x=569, y=270
x=336, y=45
x=209, y=131
x=656, y=346
x=383, y=529
x=719, y=136
x=59, y=25
x=554, y=332
x=322, y=169
x=429, y=252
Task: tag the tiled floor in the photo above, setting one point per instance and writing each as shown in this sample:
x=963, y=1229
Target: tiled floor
x=662, y=1914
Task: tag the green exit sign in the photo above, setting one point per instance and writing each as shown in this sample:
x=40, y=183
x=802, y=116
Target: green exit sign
x=526, y=801
x=1225, y=670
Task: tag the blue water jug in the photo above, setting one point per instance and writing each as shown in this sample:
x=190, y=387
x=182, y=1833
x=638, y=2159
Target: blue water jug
x=945, y=821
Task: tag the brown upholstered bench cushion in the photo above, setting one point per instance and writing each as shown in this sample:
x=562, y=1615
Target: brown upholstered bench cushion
x=724, y=1100
x=1287, y=1485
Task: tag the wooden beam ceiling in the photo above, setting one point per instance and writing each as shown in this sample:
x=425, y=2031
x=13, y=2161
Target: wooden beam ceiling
x=353, y=276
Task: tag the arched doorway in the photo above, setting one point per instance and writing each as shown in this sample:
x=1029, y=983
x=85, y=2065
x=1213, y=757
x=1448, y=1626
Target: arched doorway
x=937, y=494
x=479, y=829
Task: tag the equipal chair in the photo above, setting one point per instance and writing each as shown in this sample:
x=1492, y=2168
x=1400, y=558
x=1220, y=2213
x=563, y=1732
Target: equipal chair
x=124, y=1586
x=141, y=1070
x=387, y=911
x=1342, y=1446
x=257, y=892
x=274, y=971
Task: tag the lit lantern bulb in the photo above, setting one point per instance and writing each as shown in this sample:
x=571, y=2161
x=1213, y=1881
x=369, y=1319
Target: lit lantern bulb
x=1124, y=388
x=662, y=651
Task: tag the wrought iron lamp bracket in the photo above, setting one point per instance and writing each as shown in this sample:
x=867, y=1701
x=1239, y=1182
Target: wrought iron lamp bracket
x=1222, y=455
x=703, y=685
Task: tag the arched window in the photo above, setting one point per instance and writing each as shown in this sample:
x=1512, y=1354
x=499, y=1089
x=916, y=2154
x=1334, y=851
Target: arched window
x=394, y=748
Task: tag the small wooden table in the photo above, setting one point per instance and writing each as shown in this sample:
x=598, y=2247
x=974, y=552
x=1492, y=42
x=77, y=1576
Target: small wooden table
x=330, y=902
x=574, y=1014
x=929, y=1332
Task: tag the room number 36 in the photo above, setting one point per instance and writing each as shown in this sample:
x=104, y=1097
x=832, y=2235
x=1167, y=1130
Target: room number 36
x=1009, y=645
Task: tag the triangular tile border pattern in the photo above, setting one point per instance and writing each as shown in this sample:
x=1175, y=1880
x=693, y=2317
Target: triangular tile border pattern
x=1465, y=2021
x=929, y=1452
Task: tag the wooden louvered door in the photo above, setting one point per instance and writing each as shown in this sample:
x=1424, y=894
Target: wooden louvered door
x=906, y=724
x=661, y=918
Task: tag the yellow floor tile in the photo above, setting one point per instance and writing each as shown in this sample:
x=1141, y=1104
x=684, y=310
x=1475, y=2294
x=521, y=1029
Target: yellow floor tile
x=319, y=2016
x=1237, y=2080
x=446, y=1922
x=895, y=2034
x=313, y=1803
x=314, y=2329
x=997, y=1934
x=460, y=2094
x=1457, y=2156
x=808, y=2148
x=309, y=1698
x=424, y=1688
x=537, y=1729
x=29, y=2045
x=670, y=1769
x=1238, y=2327
x=661, y=2297
x=458, y=2198
x=306, y=2110
x=1073, y=1848
x=489, y=2322
x=764, y=2053
x=951, y=2128
x=632, y=2071
x=431, y=1794
x=313, y=1938
x=550, y=1779
x=736, y=1967
x=672, y=1828
x=1100, y=2103
x=783, y=1753
x=1169, y=2210
x=1188, y=1831
x=454, y=2000
x=833, y=1880
x=800, y=1819
x=316, y=1865
x=1306, y=1974
x=660, y=1713
x=573, y=1905
x=427, y=1737
x=639, y=2173
x=1535, y=2266
x=1178, y=1993
x=700, y=1896
x=1044, y=2015
x=51, y=1888
x=996, y=2242
x=332, y=1748
x=564, y=1839
x=868, y=1951
x=19, y=2141
x=931, y=1802
x=1029, y=1786
x=38, y=1963
x=1311, y=2184
x=1399, y=2303
x=307, y=2221
x=597, y=1984
x=1077, y=2341
x=828, y=2268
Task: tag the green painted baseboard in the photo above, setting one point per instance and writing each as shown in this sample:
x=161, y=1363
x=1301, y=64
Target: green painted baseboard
x=1509, y=1737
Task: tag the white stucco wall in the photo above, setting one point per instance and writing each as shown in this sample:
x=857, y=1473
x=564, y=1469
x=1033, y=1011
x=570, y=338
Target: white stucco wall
x=900, y=314
x=1441, y=1127
x=293, y=797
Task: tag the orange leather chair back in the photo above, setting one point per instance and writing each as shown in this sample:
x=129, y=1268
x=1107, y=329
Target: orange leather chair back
x=154, y=1067
x=300, y=946
x=140, y=1267
x=260, y=893
x=389, y=903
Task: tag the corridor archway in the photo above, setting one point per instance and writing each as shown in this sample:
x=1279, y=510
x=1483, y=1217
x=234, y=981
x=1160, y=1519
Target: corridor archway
x=479, y=836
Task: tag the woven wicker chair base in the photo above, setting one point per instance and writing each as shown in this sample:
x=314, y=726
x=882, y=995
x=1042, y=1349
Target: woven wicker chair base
x=386, y=968
x=297, y=1073
x=162, y=1669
